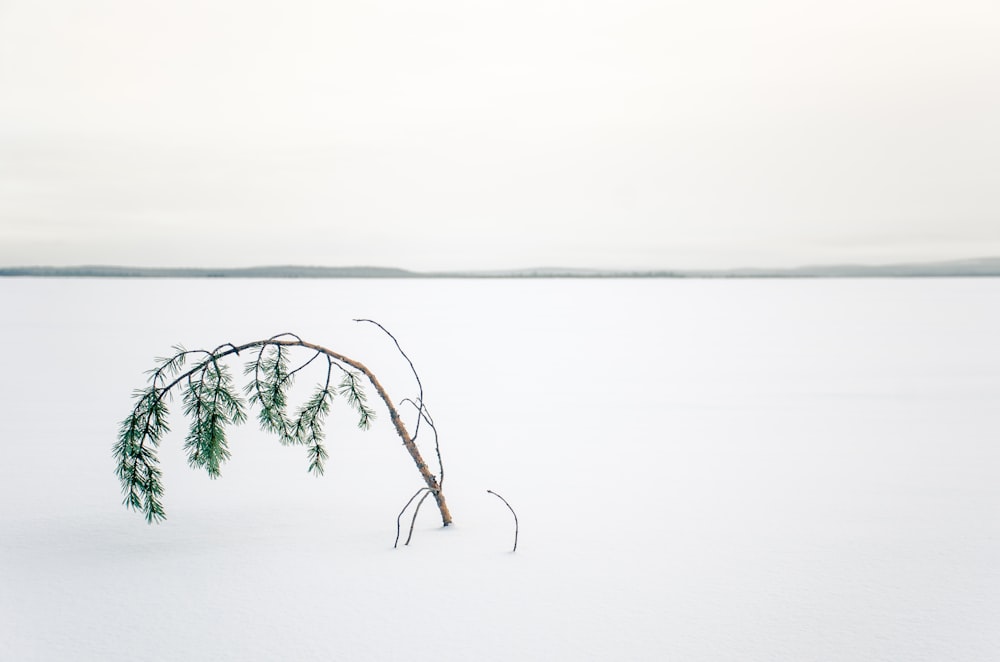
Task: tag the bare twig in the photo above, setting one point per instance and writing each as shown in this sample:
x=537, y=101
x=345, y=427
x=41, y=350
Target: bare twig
x=512, y=513
x=416, y=511
x=424, y=413
x=420, y=387
x=413, y=369
x=400, y=516
x=289, y=376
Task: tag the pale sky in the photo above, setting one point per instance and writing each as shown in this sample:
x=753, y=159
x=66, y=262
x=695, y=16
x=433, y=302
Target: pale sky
x=446, y=134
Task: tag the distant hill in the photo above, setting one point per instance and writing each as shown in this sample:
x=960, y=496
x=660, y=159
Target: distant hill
x=245, y=272
x=989, y=266
x=980, y=267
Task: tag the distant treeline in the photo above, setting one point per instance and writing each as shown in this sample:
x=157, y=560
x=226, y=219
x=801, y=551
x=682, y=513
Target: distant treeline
x=312, y=272
x=185, y=272
x=982, y=267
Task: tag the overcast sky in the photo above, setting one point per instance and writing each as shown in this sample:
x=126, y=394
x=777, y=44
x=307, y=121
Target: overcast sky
x=507, y=133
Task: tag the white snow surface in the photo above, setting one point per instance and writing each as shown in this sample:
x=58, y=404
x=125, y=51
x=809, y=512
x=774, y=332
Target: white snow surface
x=703, y=470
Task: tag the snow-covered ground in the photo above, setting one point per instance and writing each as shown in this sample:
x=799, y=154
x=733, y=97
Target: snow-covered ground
x=703, y=470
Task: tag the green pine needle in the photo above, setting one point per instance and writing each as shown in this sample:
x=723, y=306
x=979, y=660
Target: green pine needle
x=212, y=405
x=356, y=398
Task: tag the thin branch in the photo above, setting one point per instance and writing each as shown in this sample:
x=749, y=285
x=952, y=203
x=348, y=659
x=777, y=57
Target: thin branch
x=289, y=376
x=416, y=511
x=420, y=387
x=226, y=344
x=437, y=450
x=512, y=513
x=413, y=369
x=424, y=413
x=422, y=408
x=400, y=516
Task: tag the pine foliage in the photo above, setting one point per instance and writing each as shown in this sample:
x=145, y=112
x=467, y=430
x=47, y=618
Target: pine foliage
x=351, y=389
x=138, y=438
x=271, y=381
x=212, y=403
x=309, y=426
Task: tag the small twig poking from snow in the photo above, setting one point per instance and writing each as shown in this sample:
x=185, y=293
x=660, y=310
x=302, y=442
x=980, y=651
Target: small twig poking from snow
x=512, y=513
x=400, y=516
x=416, y=511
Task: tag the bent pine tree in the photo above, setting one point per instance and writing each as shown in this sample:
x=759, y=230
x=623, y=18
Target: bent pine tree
x=211, y=402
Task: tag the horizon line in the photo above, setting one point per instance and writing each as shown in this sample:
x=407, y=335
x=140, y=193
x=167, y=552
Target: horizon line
x=981, y=266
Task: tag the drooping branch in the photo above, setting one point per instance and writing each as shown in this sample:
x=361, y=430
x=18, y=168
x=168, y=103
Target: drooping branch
x=209, y=399
x=308, y=425
x=421, y=410
x=211, y=403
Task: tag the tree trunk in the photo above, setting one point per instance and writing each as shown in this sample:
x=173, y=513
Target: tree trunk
x=429, y=478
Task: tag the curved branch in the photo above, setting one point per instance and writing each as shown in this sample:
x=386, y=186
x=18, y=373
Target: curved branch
x=416, y=511
x=399, y=517
x=420, y=387
x=413, y=369
x=292, y=373
x=149, y=407
x=397, y=423
x=286, y=333
x=226, y=344
x=512, y=513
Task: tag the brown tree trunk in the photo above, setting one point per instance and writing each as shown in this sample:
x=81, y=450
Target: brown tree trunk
x=429, y=478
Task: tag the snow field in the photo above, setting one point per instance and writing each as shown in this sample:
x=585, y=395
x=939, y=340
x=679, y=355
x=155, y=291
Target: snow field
x=703, y=470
